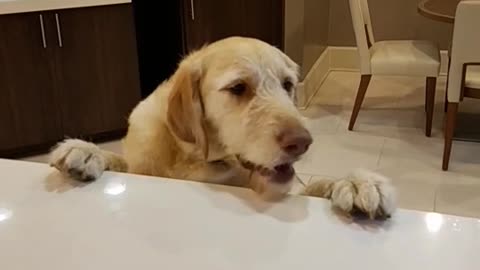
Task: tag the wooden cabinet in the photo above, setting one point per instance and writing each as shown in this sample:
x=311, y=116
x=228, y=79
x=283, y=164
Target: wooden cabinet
x=210, y=20
x=29, y=114
x=74, y=72
x=96, y=69
x=64, y=73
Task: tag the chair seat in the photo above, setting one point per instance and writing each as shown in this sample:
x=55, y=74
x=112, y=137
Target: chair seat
x=472, y=78
x=405, y=57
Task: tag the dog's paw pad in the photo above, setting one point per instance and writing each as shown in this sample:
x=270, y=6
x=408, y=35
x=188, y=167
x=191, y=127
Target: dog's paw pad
x=78, y=159
x=364, y=193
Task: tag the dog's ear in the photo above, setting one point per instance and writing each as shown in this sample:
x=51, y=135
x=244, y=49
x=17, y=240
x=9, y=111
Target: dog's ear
x=185, y=113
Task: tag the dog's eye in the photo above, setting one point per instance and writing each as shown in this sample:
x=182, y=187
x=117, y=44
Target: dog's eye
x=238, y=89
x=287, y=85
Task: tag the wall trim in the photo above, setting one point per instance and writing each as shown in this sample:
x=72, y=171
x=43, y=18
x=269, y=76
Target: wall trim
x=313, y=80
x=338, y=59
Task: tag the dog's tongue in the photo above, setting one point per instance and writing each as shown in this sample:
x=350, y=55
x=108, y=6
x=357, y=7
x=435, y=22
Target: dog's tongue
x=283, y=174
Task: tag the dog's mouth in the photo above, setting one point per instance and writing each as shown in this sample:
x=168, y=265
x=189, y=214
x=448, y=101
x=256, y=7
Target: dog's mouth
x=281, y=173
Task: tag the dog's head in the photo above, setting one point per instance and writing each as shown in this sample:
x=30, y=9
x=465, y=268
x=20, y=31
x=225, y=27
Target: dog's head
x=243, y=89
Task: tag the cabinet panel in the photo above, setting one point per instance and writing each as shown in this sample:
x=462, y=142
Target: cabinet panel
x=265, y=20
x=97, y=69
x=28, y=112
x=206, y=21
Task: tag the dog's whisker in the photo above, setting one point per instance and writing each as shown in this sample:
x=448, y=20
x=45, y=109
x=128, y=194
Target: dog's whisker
x=300, y=180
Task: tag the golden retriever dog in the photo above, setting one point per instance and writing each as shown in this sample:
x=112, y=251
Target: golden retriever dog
x=226, y=116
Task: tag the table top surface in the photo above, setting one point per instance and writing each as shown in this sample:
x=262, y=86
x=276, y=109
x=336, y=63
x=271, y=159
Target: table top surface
x=442, y=10
x=126, y=221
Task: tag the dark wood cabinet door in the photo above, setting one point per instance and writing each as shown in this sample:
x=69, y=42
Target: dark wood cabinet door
x=29, y=114
x=97, y=68
x=206, y=21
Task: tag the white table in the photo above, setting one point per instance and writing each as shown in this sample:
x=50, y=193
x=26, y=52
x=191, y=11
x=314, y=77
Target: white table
x=135, y=222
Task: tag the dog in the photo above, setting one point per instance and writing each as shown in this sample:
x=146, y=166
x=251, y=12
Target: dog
x=226, y=116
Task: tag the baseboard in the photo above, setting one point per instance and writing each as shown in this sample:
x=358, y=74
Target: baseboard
x=347, y=59
x=338, y=59
x=313, y=80
x=343, y=58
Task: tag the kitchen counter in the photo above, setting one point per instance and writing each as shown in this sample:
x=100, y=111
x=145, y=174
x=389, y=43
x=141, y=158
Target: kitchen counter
x=124, y=221
x=20, y=6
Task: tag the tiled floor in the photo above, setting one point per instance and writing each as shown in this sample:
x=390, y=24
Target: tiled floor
x=388, y=137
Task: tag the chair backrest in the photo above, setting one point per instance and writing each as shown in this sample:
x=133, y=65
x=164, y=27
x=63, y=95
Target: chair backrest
x=362, y=27
x=465, y=45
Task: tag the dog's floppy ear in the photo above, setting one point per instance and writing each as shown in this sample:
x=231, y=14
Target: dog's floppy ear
x=185, y=113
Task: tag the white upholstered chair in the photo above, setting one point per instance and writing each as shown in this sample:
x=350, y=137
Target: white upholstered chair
x=464, y=72
x=396, y=57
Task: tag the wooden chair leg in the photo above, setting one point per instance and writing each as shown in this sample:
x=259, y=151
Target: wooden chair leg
x=362, y=89
x=426, y=101
x=445, y=102
x=452, y=110
x=431, y=84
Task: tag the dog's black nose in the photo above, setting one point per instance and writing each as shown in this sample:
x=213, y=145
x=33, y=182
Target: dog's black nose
x=295, y=142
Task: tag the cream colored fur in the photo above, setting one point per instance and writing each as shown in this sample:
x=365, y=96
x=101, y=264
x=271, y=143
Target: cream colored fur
x=192, y=127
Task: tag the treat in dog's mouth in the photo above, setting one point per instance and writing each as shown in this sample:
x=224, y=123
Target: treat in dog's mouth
x=281, y=174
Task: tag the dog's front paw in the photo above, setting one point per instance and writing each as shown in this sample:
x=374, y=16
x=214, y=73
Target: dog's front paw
x=78, y=159
x=364, y=192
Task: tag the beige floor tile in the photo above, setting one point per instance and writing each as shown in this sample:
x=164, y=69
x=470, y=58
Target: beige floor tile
x=412, y=151
x=390, y=123
x=413, y=94
x=393, y=106
x=385, y=91
x=414, y=168
x=337, y=89
x=322, y=119
x=415, y=187
x=414, y=194
x=465, y=158
x=413, y=163
x=337, y=155
x=459, y=195
x=340, y=89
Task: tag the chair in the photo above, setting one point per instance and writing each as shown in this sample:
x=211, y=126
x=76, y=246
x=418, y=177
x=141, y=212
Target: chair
x=397, y=57
x=464, y=73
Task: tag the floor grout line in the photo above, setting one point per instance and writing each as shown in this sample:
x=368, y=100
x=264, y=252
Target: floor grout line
x=381, y=152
